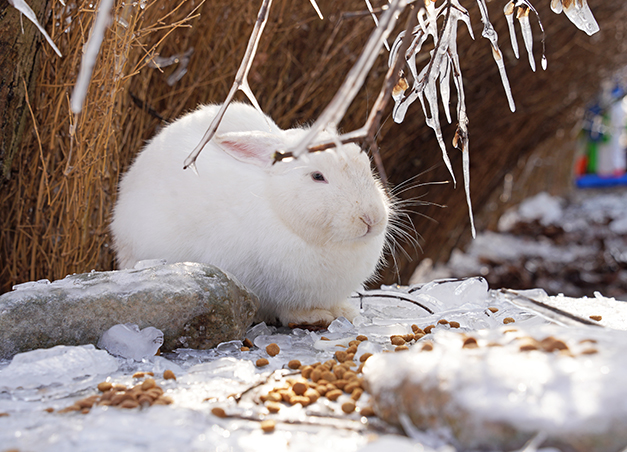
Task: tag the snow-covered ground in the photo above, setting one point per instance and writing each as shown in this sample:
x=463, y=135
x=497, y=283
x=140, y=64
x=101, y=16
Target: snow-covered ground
x=575, y=246
x=38, y=387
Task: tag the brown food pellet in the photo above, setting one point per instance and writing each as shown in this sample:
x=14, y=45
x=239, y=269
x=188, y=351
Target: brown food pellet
x=550, y=344
x=306, y=371
x=139, y=375
x=341, y=356
x=589, y=351
x=163, y=400
x=416, y=329
x=168, y=375
x=528, y=347
x=129, y=404
x=244, y=349
x=262, y=362
x=507, y=320
x=299, y=388
x=401, y=348
x=316, y=375
x=329, y=376
x=356, y=393
x=428, y=328
x=324, y=338
x=273, y=407
x=7, y=414
x=361, y=337
x=470, y=342
x=350, y=387
x=354, y=343
x=419, y=336
x=49, y=410
x=147, y=384
x=105, y=386
x=218, y=411
x=304, y=401
x=348, y=407
x=247, y=343
x=493, y=310
x=294, y=364
x=454, y=324
x=144, y=400
x=364, y=357
x=597, y=318
x=334, y=394
x=443, y=322
x=397, y=340
x=352, y=349
x=427, y=346
x=312, y=395
x=321, y=389
x=367, y=411
x=592, y=341
x=273, y=349
x=268, y=425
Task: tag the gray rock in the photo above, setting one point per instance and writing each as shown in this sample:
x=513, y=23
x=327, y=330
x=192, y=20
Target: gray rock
x=195, y=305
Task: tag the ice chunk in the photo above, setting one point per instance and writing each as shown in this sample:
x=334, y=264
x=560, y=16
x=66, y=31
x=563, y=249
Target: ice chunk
x=140, y=265
x=284, y=341
x=341, y=325
x=61, y=364
x=229, y=347
x=231, y=368
x=128, y=341
x=259, y=330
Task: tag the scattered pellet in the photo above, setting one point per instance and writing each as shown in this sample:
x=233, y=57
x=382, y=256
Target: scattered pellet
x=428, y=328
x=367, y=411
x=262, y=362
x=341, y=356
x=148, y=383
x=273, y=349
x=5, y=414
x=268, y=425
x=247, y=343
x=364, y=357
x=304, y=401
x=596, y=318
x=168, y=375
x=401, y=348
x=324, y=338
x=356, y=393
x=49, y=410
x=507, y=320
x=349, y=406
x=416, y=329
x=551, y=344
x=427, y=346
x=294, y=364
x=454, y=324
x=105, y=386
x=443, y=322
x=493, y=310
x=362, y=338
x=470, y=342
x=273, y=407
x=589, y=351
x=397, y=340
x=218, y=411
x=244, y=349
x=139, y=375
x=334, y=394
x=306, y=371
x=299, y=388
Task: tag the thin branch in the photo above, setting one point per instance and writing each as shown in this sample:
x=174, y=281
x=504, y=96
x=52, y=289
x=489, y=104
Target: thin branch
x=240, y=82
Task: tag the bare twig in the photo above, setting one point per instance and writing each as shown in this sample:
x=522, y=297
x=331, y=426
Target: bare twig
x=240, y=82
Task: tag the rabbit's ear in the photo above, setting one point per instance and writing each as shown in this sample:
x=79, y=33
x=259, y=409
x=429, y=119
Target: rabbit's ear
x=255, y=147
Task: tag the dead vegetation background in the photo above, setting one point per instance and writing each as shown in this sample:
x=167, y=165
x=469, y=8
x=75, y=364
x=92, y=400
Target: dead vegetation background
x=55, y=206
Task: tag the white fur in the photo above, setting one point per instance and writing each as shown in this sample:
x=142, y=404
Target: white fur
x=301, y=245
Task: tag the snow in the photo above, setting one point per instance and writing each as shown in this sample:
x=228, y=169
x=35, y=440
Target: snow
x=208, y=378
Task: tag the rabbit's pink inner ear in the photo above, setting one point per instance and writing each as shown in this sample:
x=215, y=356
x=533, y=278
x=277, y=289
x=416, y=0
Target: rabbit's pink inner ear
x=255, y=147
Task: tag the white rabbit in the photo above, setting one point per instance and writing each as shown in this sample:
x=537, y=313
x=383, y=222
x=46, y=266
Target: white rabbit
x=303, y=234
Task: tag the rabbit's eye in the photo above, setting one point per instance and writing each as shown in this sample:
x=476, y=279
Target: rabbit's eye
x=318, y=176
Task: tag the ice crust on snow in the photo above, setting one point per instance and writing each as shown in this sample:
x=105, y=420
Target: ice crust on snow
x=208, y=377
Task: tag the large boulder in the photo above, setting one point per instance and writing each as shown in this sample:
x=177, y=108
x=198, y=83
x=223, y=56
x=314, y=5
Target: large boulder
x=194, y=305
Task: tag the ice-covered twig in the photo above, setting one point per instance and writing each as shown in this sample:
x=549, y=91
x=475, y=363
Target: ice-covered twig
x=521, y=9
x=240, y=83
x=578, y=12
x=336, y=109
x=90, y=54
x=26, y=10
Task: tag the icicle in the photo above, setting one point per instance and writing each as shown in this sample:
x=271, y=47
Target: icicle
x=525, y=27
x=544, y=62
x=315, y=6
x=26, y=10
x=509, y=15
x=445, y=89
x=245, y=88
x=90, y=54
x=579, y=13
x=376, y=22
